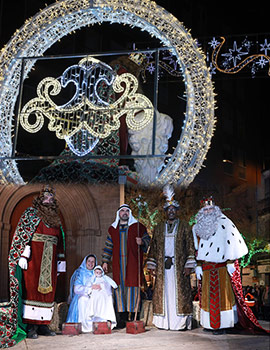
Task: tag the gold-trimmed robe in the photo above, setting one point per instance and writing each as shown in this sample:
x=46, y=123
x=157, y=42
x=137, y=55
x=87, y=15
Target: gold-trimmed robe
x=184, y=250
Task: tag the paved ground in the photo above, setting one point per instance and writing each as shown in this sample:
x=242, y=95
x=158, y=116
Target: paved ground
x=152, y=339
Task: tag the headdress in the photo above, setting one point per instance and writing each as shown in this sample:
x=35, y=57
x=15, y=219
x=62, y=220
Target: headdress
x=49, y=214
x=207, y=201
x=105, y=277
x=131, y=219
x=137, y=57
x=48, y=188
x=168, y=192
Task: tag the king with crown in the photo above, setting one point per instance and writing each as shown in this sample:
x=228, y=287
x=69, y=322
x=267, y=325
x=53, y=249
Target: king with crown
x=219, y=245
x=37, y=249
x=171, y=258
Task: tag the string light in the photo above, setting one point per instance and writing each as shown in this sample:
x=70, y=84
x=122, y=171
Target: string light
x=238, y=67
x=61, y=18
x=86, y=110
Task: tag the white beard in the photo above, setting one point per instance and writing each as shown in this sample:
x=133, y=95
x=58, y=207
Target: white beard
x=207, y=223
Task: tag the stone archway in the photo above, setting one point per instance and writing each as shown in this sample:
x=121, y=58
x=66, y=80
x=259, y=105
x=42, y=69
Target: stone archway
x=86, y=210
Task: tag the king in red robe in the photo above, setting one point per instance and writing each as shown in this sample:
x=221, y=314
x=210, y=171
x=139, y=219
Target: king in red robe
x=39, y=243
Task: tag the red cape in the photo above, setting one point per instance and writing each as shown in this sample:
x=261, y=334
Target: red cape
x=131, y=278
x=247, y=322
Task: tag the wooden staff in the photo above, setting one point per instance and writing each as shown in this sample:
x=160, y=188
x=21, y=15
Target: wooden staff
x=139, y=266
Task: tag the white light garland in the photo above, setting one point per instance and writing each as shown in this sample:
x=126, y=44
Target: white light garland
x=48, y=26
x=86, y=110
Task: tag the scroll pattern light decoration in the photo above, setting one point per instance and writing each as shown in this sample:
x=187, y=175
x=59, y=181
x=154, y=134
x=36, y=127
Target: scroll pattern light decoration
x=87, y=117
x=47, y=27
x=252, y=52
x=237, y=67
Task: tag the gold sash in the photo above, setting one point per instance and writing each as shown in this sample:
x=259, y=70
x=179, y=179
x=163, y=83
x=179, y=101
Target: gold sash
x=45, y=276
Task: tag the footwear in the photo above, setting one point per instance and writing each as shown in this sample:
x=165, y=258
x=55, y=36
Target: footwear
x=121, y=324
x=32, y=332
x=219, y=331
x=207, y=330
x=121, y=319
x=182, y=329
x=45, y=330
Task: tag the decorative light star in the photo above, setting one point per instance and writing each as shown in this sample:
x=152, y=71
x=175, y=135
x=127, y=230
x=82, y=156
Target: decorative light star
x=265, y=47
x=262, y=62
x=235, y=54
x=214, y=43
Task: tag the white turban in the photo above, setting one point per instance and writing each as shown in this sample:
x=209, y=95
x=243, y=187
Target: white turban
x=131, y=219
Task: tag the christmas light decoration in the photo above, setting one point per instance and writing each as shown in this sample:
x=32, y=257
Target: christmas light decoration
x=86, y=114
x=254, y=247
x=254, y=47
x=63, y=17
x=235, y=55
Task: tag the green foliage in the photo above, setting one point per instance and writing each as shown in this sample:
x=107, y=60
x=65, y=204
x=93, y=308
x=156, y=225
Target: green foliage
x=144, y=215
x=255, y=246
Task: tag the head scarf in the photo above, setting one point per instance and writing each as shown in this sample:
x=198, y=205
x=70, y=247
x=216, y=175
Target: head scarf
x=131, y=219
x=81, y=274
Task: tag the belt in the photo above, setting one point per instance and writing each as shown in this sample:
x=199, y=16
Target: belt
x=211, y=266
x=168, y=262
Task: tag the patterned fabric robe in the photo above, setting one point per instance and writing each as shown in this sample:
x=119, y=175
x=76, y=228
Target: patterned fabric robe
x=41, y=275
x=184, y=250
x=218, y=308
x=39, y=280
x=121, y=250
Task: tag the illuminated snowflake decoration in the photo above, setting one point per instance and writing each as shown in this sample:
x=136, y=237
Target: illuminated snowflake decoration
x=40, y=32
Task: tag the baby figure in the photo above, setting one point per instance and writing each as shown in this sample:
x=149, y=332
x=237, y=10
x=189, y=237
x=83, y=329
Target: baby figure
x=100, y=298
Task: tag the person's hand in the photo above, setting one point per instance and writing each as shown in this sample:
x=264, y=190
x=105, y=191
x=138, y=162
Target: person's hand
x=230, y=269
x=199, y=272
x=105, y=267
x=187, y=271
x=96, y=287
x=23, y=263
x=139, y=240
x=61, y=266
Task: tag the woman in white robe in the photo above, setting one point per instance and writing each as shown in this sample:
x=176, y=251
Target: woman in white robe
x=95, y=304
x=78, y=285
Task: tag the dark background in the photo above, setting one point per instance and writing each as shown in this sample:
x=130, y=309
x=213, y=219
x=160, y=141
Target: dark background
x=242, y=101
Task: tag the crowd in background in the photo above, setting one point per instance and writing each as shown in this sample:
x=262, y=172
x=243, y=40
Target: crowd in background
x=261, y=297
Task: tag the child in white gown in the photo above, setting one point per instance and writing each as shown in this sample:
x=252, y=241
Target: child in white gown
x=97, y=305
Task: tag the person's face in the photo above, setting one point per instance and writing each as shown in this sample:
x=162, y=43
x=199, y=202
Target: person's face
x=171, y=213
x=48, y=198
x=124, y=214
x=98, y=272
x=208, y=209
x=90, y=263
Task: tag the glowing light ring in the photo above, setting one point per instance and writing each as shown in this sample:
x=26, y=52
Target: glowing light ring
x=51, y=24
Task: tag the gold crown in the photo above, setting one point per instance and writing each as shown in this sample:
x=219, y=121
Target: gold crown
x=137, y=57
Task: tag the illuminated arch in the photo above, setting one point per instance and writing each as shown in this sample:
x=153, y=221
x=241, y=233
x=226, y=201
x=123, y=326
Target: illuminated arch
x=40, y=32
